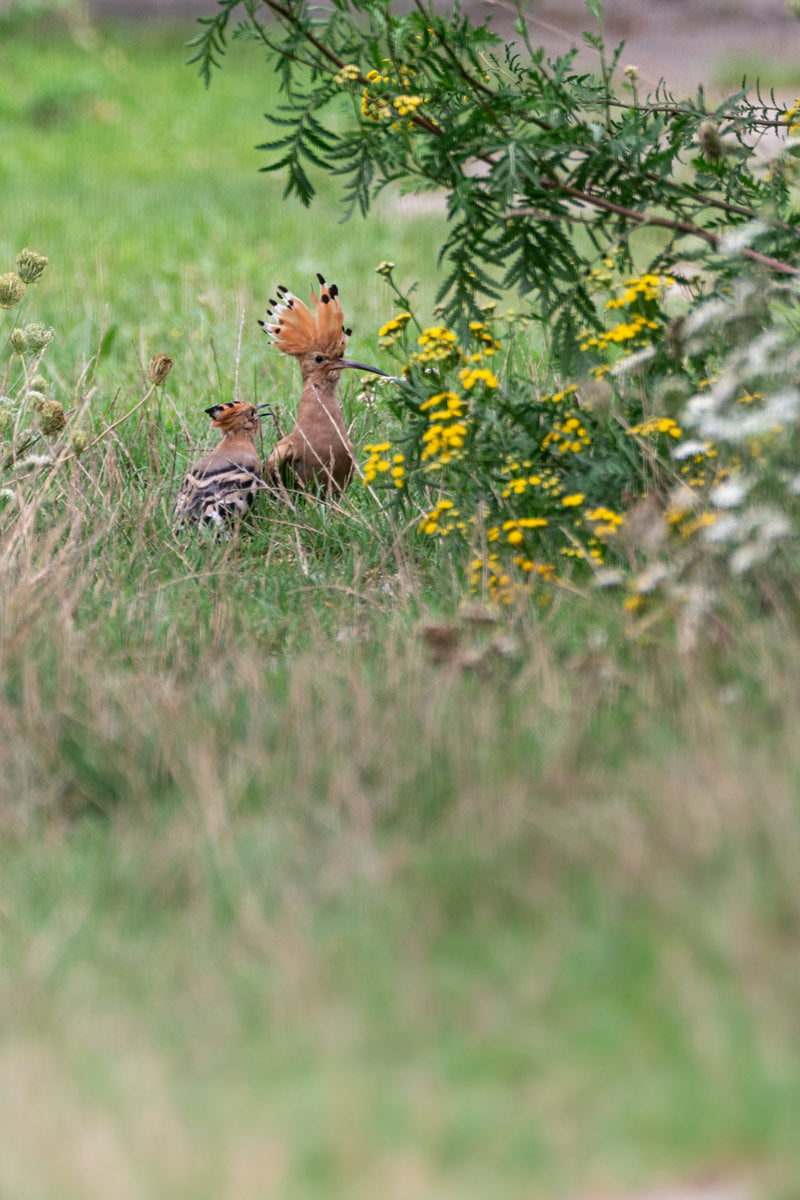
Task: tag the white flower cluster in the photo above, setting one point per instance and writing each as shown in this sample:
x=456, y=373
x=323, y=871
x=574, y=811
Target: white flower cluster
x=751, y=408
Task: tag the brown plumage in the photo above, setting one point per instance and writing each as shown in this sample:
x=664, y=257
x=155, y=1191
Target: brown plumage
x=318, y=448
x=220, y=488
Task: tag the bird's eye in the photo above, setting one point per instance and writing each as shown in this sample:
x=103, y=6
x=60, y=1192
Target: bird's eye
x=319, y=358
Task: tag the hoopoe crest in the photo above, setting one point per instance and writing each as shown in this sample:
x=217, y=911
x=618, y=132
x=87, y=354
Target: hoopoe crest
x=318, y=449
x=221, y=487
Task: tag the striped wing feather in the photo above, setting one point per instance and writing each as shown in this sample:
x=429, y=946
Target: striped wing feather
x=219, y=488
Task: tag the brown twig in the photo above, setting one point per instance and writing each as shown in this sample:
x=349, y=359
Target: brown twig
x=642, y=219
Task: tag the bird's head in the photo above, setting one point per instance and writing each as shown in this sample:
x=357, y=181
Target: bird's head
x=236, y=416
x=317, y=339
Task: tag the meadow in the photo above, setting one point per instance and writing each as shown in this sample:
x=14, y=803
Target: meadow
x=314, y=881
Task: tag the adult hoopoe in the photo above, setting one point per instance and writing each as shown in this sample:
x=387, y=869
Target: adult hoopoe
x=220, y=488
x=318, y=448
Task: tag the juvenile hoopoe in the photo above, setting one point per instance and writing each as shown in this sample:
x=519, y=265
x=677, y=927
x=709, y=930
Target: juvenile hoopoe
x=318, y=448
x=220, y=488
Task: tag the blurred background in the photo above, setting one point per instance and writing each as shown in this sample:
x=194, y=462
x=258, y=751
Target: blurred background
x=688, y=42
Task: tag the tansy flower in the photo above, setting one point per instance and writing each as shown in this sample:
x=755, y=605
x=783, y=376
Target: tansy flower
x=406, y=104
x=378, y=463
x=657, y=425
x=348, y=72
x=472, y=375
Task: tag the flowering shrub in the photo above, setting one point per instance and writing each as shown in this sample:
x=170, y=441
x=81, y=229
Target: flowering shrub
x=538, y=485
x=661, y=361
x=533, y=480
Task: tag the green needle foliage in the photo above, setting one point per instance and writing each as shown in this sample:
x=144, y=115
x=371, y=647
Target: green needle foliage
x=544, y=165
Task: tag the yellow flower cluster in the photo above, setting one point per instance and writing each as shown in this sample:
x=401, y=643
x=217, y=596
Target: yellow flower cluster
x=376, y=107
x=557, y=397
x=624, y=331
x=472, y=375
x=694, y=468
x=603, y=275
x=568, y=436
x=488, y=344
x=436, y=334
x=592, y=551
x=443, y=442
x=517, y=484
x=645, y=287
x=441, y=520
x=453, y=406
x=444, y=438
x=393, y=329
x=792, y=118
x=372, y=108
x=573, y=501
x=605, y=522
x=515, y=530
x=438, y=345
x=348, y=73
x=688, y=529
x=406, y=104
x=502, y=588
x=657, y=425
x=379, y=463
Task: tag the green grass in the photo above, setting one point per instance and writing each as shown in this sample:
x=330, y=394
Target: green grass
x=288, y=907
x=145, y=190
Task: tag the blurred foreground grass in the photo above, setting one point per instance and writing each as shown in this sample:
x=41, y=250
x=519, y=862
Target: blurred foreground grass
x=289, y=908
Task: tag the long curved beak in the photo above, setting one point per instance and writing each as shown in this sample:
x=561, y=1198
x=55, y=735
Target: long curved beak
x=263, y=409
x=357, y=366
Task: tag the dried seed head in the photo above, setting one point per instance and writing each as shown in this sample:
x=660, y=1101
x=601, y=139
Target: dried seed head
x=51, y=418
x=670, y=394
x=30, y=265
x=17, y=341
x=644, y=528
x=710, y=142
x=37, y=399
x=674, y=336
x=78, y=442
x=596, y=396
x=7, y=416
x=160, y=367
x=12, y=289
x=37, y=336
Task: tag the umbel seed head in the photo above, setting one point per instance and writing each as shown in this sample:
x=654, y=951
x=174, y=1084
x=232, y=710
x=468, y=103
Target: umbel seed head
x=51, y=418
x=12, y=289
x=78, y=442
x=37, y=336
x=160, y=367
x=30, y=265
